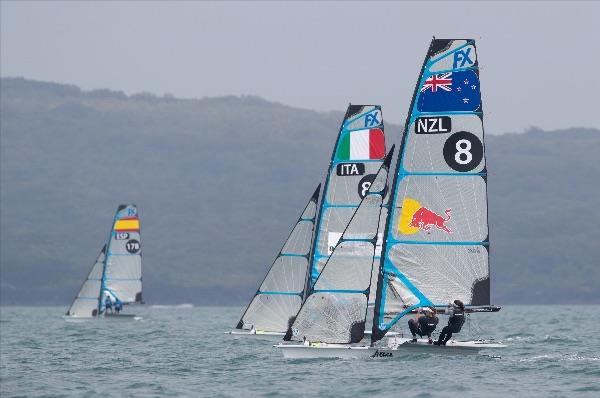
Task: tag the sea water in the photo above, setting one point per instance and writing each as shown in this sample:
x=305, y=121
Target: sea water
x=553, y=351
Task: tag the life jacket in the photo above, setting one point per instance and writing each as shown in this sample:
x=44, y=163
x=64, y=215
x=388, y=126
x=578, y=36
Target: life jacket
x=456, y=321
x=428, y=323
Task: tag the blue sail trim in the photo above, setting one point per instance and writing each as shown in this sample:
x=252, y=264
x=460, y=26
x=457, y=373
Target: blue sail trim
x=410, y=173
x=423, y=301
x=339, y=291
x=292, y=255
x=393, y=241
x=123, y=279
x=355, y=118
x=283, y=293
x=326, y=205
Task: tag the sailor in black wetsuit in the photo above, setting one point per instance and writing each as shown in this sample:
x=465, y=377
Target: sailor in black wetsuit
x=455, y=323
x=424, y=325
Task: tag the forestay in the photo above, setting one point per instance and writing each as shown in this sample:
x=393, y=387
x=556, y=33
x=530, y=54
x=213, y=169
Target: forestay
x=85, y=303
x=122, y=277
x=356, y=158
x=335, y=309
x=280, y=294
x=436, y=241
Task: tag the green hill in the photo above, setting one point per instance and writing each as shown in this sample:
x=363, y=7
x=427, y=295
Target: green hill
x=220, y=181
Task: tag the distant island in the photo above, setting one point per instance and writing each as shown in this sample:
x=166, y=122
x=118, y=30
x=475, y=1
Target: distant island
x=220, y=181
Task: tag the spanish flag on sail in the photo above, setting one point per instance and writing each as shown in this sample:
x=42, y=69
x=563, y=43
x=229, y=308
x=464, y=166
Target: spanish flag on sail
x=129, y=224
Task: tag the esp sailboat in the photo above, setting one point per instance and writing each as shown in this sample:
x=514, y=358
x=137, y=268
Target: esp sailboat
x=115, y=279
x=436, y=241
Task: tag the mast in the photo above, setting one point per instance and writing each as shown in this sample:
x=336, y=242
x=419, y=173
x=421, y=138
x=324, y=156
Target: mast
x=106, y=254
x=436, y=241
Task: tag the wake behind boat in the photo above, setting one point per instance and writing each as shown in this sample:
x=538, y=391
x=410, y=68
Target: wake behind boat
x=435, y=245
x=115, y=280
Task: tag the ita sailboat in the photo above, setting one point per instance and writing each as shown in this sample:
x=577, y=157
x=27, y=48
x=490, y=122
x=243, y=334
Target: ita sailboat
x=435, y=245
x=115, y=280
x=357, y=155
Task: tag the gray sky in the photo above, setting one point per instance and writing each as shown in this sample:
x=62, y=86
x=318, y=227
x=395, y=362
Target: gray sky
x=537, y=59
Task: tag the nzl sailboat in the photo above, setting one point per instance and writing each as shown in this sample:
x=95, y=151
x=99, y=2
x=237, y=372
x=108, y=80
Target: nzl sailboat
x=115, y=279
x=357, y=155
x=435, y=246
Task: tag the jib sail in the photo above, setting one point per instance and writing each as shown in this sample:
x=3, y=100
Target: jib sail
x=336, y=307
x=85, y=303
x=436, y=239
x=357, y=156
x=280, y=294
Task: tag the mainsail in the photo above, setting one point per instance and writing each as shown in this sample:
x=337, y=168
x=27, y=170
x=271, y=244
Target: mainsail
x=436, y=239
x=122, y=276
x=336, y=307
x=85, y=303
x=356, y=158
x=280, y=294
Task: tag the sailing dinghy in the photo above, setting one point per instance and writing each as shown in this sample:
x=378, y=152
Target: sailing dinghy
x=435, y=246
x=116, y=276
x=357, y=155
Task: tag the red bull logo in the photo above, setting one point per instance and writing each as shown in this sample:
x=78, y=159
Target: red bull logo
x=415, y=217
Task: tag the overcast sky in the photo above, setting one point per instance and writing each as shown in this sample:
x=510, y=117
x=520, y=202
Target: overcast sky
x=538, y=59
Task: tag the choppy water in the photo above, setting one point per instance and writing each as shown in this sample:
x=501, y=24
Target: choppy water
x=553, y=352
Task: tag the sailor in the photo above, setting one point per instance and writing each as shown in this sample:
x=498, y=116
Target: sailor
x=424, y=325
x=118, y=305
x=108, y=304
x=456, y=310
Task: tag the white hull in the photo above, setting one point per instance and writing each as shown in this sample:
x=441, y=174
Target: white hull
x=260, y=334
x=397, y=348
x=119, y=317
x=267, y=335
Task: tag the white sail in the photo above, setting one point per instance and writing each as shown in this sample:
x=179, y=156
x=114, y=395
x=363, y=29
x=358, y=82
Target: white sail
x=280, y=295
x=436, y=239
x=122, y=278
x=85, y=303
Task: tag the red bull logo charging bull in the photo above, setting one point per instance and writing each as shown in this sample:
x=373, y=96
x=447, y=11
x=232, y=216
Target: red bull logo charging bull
x=415, y=217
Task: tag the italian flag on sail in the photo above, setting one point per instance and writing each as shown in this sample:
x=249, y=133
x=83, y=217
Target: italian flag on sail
x=362, y=145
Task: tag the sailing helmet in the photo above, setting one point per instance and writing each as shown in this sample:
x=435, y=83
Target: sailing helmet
x=427, y=309
x=459, y=304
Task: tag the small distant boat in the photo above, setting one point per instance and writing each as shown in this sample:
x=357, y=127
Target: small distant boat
x=435, y=244
x=115, y=280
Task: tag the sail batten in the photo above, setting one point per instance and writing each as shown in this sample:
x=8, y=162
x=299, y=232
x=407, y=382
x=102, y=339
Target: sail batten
x=436, y=237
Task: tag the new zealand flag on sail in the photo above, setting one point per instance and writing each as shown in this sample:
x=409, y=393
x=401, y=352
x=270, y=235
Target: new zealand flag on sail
x=451, y=91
